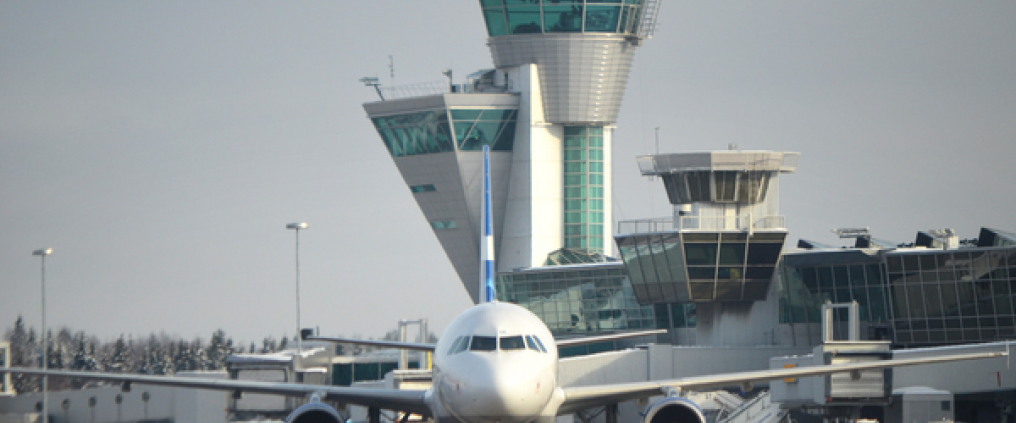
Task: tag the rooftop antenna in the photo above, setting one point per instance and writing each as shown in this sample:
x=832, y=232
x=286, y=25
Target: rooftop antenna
x=657, y=140
x=451, y=83
x=372, y=81
x=391, y=69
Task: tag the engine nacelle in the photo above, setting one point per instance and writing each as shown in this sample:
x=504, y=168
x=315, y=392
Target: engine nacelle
x=674, y=410
x=315, y=412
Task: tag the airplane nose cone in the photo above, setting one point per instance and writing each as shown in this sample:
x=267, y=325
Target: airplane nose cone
x=506, y=394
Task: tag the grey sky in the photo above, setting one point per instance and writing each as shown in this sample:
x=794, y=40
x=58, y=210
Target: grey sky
x=160, y=148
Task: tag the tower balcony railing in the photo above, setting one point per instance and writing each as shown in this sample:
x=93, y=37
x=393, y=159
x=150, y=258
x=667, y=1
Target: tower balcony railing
x=701, y=223
x=423, y=89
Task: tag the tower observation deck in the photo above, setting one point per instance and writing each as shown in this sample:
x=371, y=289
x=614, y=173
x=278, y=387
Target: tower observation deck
x=546, y=110
x=582, y=48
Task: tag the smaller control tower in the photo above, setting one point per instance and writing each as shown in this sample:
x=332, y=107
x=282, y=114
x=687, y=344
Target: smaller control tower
x=725, y=237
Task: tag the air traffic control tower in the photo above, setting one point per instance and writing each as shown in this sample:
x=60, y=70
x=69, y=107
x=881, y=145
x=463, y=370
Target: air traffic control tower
x=546, y=110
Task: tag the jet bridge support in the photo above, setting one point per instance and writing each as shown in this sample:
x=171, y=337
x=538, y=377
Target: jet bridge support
x=611, y=413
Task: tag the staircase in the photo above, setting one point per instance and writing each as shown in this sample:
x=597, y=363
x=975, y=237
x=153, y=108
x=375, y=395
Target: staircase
x=650, y=9
x=760, y=409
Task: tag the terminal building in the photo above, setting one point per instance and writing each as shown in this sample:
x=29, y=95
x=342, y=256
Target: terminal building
x=719, y=272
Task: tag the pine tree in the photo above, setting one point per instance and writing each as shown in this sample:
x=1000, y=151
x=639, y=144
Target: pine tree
x=118, y=358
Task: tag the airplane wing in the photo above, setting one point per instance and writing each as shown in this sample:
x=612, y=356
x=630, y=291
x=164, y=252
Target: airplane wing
x=582, y=397
x=568, y=342
x=411, y=401
x=377, y=343
x=430, y=347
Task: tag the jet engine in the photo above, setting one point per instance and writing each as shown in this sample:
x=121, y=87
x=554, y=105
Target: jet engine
x=315, y=412
x=674, y=410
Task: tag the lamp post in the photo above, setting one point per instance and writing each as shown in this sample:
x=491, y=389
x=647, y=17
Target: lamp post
x=43, y=252
x=297, y=227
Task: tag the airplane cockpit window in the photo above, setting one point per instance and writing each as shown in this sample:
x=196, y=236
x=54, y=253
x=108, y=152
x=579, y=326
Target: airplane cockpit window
x=539, y=344
x=512, y=343
x=483, y=343
x=533, y=343
x=459, y=345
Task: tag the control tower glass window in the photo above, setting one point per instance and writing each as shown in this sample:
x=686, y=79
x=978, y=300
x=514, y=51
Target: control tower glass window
x=477, y=128
x=513, y=17
x=415, y=133
x=583, y=188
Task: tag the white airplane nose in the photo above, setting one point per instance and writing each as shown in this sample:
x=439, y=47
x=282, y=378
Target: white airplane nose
x=506, y=394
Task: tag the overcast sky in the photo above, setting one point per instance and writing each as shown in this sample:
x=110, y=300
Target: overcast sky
x=160, y=148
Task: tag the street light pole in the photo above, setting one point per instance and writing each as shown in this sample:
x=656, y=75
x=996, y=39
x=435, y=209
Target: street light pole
x=297, y=227
x=43, y=252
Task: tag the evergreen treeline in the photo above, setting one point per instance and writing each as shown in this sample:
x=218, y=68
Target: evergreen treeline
x=158, y=355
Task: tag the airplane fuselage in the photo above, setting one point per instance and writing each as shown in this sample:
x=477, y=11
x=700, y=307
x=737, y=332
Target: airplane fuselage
x=496, y=362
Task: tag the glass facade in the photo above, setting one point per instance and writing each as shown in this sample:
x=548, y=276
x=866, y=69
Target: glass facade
x=926, y=296
x=565, y=256
x=583, y=188
x=700, y=266
x=745, y=187
x=508, y=17
x=477, y=128
x=577, y=299
x=415, y=133
x=808, y=281
x=432, y=131
x=952, y=296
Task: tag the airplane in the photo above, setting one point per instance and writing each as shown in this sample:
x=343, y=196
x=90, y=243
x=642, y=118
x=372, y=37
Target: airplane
x=497, y=363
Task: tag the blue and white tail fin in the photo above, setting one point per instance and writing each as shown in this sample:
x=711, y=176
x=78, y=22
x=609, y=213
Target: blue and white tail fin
x=487, y=291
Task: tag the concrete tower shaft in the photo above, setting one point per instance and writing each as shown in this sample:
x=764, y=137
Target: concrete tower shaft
x=582, y=76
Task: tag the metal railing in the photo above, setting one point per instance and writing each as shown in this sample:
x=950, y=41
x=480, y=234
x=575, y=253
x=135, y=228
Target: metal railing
x=700, y=223
x=651, y=9
x=422, y=89
x=415, y=90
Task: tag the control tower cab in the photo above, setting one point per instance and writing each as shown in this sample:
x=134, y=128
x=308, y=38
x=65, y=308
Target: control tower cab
x=726, y=235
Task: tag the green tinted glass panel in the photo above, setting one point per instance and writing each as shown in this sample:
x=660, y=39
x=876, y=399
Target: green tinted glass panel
x=477, y=128
x=422, y=188
x=574, y=217
x=574, y=180
x=623, y=27
x=415, y=133
x=700, y=254
x=575, y=154
x=575, y=130
x=490, y=2
x=524, y=20
x=458, y=114
x=575, y=205
x=562, y=18
x=595, y=192
x=498, y=114
x=574, y=142
x=574, y=229
x=496, y=25
x=596, y=141
x=575, y=167
x=574, y=192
